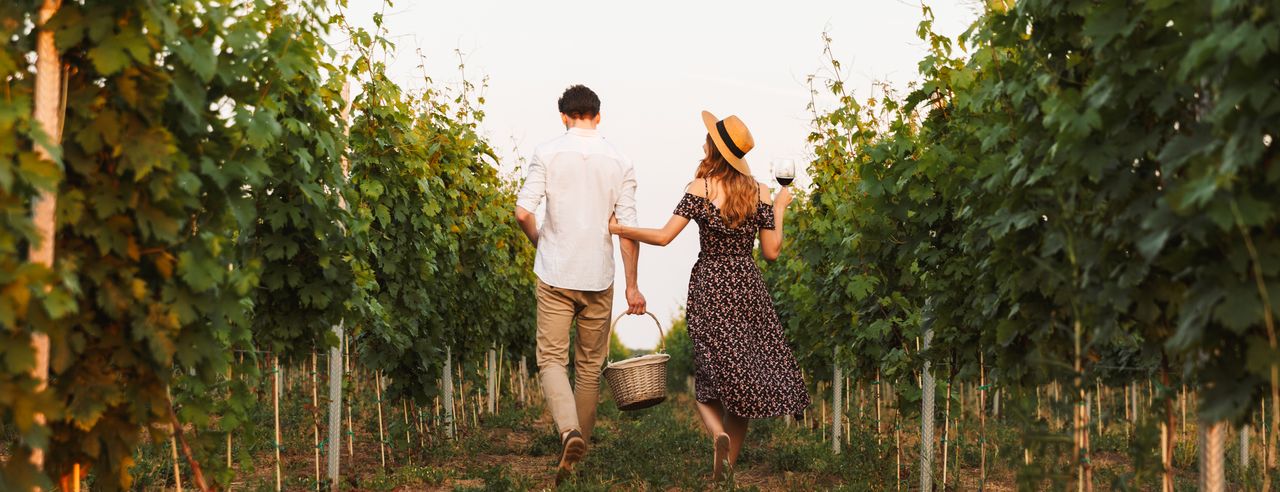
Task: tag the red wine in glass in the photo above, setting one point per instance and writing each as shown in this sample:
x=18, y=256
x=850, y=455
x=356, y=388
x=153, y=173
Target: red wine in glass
x=784, y=170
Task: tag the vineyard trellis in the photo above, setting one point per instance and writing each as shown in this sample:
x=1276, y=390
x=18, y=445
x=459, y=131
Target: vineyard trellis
x=1074, y=209
x=214, y=213
x=1083, y=193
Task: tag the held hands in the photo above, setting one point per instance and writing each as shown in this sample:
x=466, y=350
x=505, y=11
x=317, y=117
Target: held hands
x=614, y=226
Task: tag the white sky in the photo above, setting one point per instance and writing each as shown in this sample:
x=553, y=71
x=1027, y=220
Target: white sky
x=656, y=65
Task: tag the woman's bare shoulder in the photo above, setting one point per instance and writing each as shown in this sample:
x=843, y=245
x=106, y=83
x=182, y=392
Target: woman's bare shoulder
x=696, y=188
x=765, y=196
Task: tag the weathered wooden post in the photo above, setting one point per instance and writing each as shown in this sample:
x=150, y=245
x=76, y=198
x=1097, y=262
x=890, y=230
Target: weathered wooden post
x=48, y=113
x=837, y=407
x=927, y=387
x=447, y=386
x=335, y=353
x=1213, y=437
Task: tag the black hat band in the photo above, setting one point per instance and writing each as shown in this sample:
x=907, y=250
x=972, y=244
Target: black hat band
x=728, y=142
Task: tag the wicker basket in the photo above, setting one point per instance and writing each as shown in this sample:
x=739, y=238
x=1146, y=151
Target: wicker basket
x=639, y=382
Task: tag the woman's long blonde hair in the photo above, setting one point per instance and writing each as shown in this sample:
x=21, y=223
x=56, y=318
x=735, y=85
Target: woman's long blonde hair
x=742, y=191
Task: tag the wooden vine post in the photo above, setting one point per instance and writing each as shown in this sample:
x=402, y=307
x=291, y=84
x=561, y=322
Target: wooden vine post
x=524, y=378
x=173, y=453
x=404, y=412
x=275, y=410
x=1166, y=474
x=338, y=372
x=315, y=409
x=897, y=447
x=355, y=390
x=48, y=115
x=926, y=411
x=334, y=447
x=229, y=380
x=946, y=433
x=982, y=422
x=462, y=395
x=497, y=380
x=1213, y=437
x=836, y=404
x=822, y=413
x=1268, y=444
x=1166, y=436
x=1244, y=448
x=1184, y=409
x=447, y=385
x=491, y=359
x=382, y=438
x=1084, y=472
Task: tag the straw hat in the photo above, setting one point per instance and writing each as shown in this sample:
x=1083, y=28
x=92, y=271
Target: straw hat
x=732, y=138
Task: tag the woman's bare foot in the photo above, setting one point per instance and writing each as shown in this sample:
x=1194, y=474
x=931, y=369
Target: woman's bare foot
x=721, y=456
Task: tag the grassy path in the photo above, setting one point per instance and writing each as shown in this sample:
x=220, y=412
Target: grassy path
x=663, y=448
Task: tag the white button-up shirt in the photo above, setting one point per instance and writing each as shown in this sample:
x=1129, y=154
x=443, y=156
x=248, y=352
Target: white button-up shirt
x=584, y=180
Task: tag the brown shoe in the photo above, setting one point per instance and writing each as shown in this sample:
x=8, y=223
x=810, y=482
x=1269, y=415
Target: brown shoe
x=721, y=456
x=574, y=449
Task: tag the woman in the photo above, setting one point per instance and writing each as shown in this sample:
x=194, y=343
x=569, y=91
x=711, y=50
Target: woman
x=743, y=368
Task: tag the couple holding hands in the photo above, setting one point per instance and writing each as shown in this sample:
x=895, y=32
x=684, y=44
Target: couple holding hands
x=743, y=367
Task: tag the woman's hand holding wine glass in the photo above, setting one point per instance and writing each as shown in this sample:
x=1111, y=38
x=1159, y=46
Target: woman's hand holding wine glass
x=784, y=170
x=782, y=198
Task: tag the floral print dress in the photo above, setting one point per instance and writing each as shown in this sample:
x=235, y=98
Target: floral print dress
x=740, y=356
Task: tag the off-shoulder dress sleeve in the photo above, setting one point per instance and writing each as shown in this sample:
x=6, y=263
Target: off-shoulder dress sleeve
x=764, y=218
x=690, y=207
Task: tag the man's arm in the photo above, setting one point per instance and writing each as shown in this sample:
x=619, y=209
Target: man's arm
x=630, y=261
x=528, y=223
x=625, y=212
x=531, y=194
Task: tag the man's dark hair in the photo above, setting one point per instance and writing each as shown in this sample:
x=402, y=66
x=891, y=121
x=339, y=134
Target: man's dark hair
x=579, y=102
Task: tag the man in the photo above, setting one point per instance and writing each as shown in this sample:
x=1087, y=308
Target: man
x=584, y=180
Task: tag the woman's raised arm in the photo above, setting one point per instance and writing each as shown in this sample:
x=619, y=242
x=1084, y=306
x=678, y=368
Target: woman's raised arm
x=771, y=239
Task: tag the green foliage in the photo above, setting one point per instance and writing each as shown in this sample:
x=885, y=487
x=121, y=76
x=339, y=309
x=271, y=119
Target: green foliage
x=680, y=348
x=32, y=298
x=498, y=478
x=442, y=261
x=417, y=476
x=299, y=239
x=1071, y=183
x=161, y=139
x=649, y=446
x=617, y=351
x=202, y=220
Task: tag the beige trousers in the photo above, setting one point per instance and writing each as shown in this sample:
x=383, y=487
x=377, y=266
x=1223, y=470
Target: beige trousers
x=572, y=408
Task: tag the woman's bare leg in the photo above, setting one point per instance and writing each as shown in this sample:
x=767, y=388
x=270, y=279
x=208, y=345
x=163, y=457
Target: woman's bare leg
x=712, y=417
x=736, y=427
x=713, y=420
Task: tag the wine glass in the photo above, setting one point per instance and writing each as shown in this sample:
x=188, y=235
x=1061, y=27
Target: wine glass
x=784, y=170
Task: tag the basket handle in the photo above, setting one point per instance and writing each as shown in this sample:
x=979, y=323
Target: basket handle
x=662, y=343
